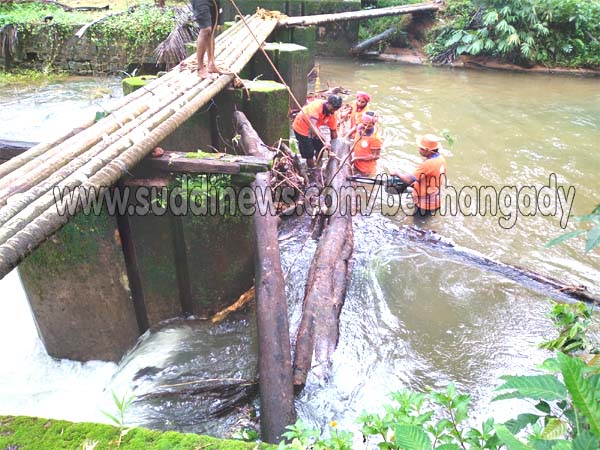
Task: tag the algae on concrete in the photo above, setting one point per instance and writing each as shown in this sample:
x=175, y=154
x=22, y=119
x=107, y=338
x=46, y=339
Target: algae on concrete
x=34, y=433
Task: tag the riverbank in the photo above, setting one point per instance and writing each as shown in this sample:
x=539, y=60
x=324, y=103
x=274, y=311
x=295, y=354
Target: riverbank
x=416, y=57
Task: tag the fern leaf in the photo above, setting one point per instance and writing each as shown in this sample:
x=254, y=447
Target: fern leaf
x=585, y=397
x=411, y=437
x=509, y=439
x=537, y=387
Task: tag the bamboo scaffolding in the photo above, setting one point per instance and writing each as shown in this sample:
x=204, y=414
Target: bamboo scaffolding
x=318, y=19
x=141, y=96
x=19, y=202
x=32, y=234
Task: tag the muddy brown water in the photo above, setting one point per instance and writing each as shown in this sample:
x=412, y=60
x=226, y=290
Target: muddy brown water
x=414, y=317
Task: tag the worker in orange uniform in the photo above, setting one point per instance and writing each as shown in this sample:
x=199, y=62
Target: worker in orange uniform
x=359, y=106
x=314, y=115
x=427, y=179
x=367, y=145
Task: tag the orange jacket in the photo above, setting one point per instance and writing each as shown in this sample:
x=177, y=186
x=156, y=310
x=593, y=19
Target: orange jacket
x=355, y=114
x=364, y=146
x=314, y=110
x=428, y=182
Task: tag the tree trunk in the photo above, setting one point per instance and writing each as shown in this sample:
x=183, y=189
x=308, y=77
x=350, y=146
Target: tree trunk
x=303, y=21
x=251, y=142
x=365, y=45
x=328, y=275
x=275, y=361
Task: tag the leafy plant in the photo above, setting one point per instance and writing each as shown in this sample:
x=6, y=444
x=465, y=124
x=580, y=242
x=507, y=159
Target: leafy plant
x=593, y=233
x=572, y=322
x=122, y=405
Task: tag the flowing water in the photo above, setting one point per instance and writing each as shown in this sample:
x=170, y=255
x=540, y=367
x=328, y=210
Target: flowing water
x=415, y=316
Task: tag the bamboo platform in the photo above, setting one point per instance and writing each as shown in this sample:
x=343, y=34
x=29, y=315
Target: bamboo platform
x=97, y=154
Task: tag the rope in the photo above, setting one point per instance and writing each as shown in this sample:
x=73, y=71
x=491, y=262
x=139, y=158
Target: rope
x=311, y=125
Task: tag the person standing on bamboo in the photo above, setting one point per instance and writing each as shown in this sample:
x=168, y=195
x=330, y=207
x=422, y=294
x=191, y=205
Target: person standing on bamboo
x=207, y=14
x=306, y=124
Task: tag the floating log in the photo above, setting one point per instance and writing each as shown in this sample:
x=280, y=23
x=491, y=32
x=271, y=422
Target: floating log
x=220, y=396
x=328, y=275
x=547, y=285
x=365, y=45
x=275, y=362
x=318, y=19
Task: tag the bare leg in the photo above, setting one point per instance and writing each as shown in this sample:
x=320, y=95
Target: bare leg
x=212, y=66
x=202, y=47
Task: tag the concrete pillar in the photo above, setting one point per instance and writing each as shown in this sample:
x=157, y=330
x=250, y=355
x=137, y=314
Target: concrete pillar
x=155, y=260
x=78, y=289
x=189, y=136
x=293, y=63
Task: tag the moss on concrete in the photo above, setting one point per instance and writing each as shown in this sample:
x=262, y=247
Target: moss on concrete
x=267, y=109
x=32, y=433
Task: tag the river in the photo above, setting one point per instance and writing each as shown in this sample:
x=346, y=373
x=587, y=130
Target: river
x=415, y=317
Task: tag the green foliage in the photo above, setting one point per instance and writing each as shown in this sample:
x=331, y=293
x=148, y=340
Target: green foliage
x=141, y=29
x=551, y=32
x=572, y=322
x=301, y=437
x=122, y=405
x=593, y=232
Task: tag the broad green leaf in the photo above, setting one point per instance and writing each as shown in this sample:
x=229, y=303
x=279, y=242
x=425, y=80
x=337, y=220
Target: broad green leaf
x=537, y=387
x=593, y=238
x=541, y=444
x=564, y=237
x=448, y=447
x=522, y=420
x=508, y=439
x=584, y=396
x=585, y=441
x=411, y=437
x=555, y=429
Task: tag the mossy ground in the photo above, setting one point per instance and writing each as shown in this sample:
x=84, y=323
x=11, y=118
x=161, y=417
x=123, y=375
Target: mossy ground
x=31, y=433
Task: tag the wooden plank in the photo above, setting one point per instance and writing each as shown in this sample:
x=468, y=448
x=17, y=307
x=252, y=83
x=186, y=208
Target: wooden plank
x=170, y=161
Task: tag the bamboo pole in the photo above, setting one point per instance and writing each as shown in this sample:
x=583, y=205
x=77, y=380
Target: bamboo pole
x=33, y=207
x=52, y=158
x=140, y=95
x=318, y=19
x=34, y=233
x=54, y=177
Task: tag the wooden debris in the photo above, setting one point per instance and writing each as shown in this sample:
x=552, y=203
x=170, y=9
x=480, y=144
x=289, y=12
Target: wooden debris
x=244, y=299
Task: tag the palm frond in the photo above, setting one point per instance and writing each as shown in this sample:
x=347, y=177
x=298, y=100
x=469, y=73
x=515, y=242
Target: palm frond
x=171, y=51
